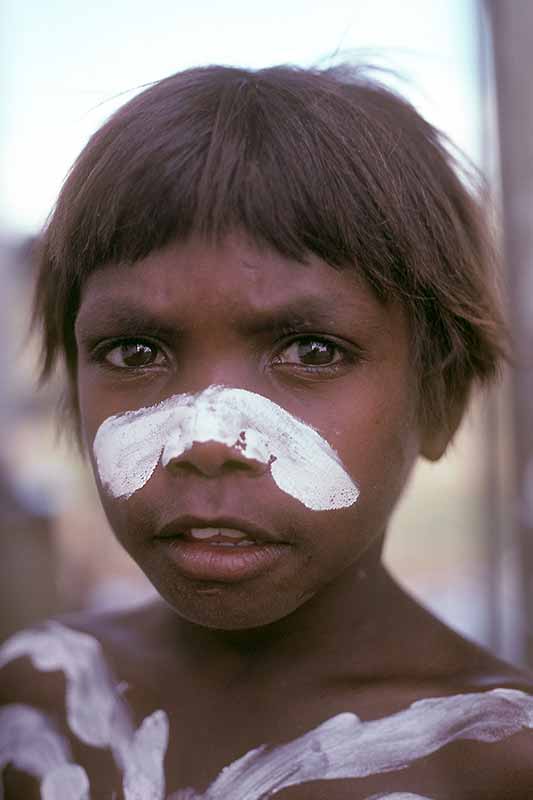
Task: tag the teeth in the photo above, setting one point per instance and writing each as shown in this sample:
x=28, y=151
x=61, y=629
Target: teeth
x=211, y=533
x=208, y=533
x=246, y=543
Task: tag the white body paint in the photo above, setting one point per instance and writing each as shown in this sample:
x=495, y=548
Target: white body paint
x=45, y=748
x=342, y=747
x=31, y=743
x=398, y=796
x=128, y=446
x=69, y=782
x=96, y=712
x=346, y=747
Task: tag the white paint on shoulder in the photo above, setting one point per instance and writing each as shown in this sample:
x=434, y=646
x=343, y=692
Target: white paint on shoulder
x=346, y=747
x=30, y=742
x=69, y=782
x=302, y=463
x=96, y=711
x=94, y=707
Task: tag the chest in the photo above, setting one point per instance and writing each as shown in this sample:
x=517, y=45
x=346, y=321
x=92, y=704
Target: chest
x=237, y=739
x=221, y=748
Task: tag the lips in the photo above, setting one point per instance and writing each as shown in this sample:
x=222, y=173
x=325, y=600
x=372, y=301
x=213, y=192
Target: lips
x=225, y=549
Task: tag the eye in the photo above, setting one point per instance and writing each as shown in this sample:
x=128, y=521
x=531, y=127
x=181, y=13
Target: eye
x=134, y=354
x=312, y=351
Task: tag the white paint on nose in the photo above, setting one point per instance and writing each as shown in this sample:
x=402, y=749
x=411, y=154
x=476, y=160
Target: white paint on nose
x=302, y=463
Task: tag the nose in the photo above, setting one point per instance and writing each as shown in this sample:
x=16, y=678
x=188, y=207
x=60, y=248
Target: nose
x=212, y=459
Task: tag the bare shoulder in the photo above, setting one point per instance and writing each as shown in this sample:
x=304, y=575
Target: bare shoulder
x=63, y=719
x=65, y=662
x=447, y=720
x=486, y=739
x=474, y=715
x=33, y=735
x=469, y=746
x=120, y=633
x=490, y=749
x=26, y=674
x=493, y=758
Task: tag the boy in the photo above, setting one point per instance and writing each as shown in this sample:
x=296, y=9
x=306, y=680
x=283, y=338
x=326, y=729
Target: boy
x=271, y=293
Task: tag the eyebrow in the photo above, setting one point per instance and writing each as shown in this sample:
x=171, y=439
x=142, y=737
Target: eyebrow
x=131, y=318
x=301, y=313
x=123, y=316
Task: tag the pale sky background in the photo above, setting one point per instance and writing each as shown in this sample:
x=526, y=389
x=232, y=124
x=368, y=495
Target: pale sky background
x=63, y=63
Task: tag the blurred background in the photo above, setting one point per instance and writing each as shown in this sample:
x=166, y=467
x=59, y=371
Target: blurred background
x=462, y=539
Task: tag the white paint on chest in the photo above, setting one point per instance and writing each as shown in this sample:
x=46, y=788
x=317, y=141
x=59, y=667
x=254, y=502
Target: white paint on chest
x=343, y=747
x=302, y=463
x=398, y=796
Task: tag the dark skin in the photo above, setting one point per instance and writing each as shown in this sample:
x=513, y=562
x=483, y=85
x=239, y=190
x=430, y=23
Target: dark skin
x=238, y=664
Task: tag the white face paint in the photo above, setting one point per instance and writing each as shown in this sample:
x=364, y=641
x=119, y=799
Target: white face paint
x=128, y=446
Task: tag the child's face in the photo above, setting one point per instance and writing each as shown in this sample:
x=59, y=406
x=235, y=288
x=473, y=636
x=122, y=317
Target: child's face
x=308, y=344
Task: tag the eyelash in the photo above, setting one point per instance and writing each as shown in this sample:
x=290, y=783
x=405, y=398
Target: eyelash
x=295, y=337
x=100, y=353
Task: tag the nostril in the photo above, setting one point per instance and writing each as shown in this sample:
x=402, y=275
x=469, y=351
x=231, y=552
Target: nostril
x=240, y=444
x=214, y=458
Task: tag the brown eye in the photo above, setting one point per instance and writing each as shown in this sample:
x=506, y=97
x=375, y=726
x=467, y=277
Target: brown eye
x=135, y=355
x=311, y=352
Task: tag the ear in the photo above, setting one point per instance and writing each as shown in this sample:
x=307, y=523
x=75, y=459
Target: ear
x=436, y=436
x=433, y=444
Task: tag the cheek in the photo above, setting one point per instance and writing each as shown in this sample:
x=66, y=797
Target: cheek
x=379, y=449
x=132, y=521
x=129, y=519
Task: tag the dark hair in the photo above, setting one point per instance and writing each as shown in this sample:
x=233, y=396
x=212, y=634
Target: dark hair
x=304, y=161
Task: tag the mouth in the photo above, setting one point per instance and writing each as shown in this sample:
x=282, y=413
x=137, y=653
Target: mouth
x=217, y=531
x=220, y=537
x=222, y=549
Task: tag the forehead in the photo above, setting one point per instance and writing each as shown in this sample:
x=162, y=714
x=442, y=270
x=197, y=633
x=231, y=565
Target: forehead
x=197, y=279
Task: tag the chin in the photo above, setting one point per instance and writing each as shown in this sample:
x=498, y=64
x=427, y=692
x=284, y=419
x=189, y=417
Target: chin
x=210, y=607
